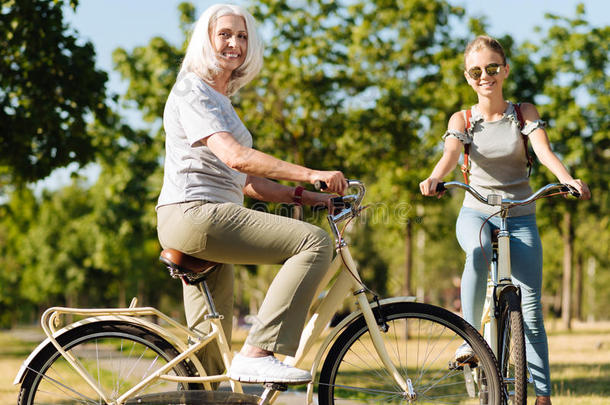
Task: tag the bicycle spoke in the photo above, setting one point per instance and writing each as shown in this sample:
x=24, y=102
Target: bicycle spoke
x=416, y=345
x=63, y=388
x=116, y=355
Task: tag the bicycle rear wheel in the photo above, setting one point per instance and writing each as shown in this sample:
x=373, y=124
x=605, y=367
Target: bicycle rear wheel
x=511, y=347
x=117, y=355
x=421, y=340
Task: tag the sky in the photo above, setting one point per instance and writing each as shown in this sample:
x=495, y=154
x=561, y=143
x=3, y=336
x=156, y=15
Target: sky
x=109, y=24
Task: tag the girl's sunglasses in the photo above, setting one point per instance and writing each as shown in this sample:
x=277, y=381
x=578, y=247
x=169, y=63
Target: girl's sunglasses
x=492, y=69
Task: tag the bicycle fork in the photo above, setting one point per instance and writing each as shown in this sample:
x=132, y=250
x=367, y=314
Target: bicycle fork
x=405, y=385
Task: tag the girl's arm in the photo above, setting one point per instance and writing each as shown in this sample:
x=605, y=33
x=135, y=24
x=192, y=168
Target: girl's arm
x=451, y=155
x=542, y=148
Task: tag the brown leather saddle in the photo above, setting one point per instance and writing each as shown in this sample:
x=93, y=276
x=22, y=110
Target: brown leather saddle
x=189, y=268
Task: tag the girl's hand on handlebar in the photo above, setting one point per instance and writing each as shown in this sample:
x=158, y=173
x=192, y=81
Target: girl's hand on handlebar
x=334, y=180
x=581, y=187
x=428, y=187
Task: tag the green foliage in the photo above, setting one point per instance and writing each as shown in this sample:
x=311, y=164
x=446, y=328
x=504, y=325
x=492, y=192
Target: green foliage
x=572, y=68
x=48, y=87
x=365, y=87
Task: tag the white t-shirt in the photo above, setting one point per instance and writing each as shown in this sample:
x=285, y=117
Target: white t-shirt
x=194, y=111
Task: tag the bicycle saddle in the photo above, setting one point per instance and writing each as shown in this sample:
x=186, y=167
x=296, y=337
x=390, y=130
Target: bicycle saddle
x=183, y=265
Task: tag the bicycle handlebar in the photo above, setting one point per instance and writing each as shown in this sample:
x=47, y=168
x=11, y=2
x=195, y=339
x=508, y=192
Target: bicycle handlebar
x=498, y=200
x=347, y=205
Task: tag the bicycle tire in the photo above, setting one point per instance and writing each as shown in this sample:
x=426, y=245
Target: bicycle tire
x=421, y=340
x=116, y=354
x=511, y=347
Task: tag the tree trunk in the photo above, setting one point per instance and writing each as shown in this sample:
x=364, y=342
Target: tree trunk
x=122, y=295
x=566, y=302
x=578, y=280
x=592, y=298
x=408, y=258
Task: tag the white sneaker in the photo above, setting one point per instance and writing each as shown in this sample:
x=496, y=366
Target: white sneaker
x=465, y=354
x=266, y=370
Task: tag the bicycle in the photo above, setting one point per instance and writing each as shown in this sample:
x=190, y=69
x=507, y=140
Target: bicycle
x=388, y=350
x=502, y=320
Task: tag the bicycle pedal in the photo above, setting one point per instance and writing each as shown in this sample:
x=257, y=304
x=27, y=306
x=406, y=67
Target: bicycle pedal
x=276, y=386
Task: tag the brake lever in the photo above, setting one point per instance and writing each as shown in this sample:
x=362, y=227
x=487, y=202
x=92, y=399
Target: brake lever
x=572, y=190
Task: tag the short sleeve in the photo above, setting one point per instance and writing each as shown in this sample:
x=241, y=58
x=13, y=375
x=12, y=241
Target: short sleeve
x=462, y=137
x=532, y=126
x=200, y=116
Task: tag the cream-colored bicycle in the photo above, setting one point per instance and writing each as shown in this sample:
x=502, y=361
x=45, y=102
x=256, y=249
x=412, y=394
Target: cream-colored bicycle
x=389, y=350
x=502, y=321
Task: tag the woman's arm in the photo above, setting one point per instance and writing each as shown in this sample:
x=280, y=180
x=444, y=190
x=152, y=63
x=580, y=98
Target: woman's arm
x=253, y=162
x=542, y=148
x=267, y=190
x=451, y=154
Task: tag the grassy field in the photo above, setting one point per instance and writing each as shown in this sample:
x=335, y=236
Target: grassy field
x=580, y=363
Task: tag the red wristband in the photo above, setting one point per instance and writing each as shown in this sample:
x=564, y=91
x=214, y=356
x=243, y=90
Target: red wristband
x=297, y=198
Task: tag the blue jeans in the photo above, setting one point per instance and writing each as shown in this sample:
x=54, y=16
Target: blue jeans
x=526, y=263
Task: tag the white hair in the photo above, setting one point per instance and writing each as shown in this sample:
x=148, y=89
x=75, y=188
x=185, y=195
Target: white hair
x=200, y=56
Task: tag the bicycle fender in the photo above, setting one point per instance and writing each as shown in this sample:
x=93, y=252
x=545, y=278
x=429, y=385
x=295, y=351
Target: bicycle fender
x=135, y=320
x=339, y=328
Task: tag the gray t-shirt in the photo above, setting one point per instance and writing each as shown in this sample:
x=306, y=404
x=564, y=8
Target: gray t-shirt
x=498, y=160
x=194, y=111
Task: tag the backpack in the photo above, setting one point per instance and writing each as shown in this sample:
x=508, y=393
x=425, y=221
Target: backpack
x=466, y=166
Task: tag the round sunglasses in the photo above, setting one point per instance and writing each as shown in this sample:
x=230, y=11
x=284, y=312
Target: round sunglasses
x=492, y=69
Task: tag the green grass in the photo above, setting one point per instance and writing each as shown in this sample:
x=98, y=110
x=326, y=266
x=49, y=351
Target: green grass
x=11, y=347
x=580, y=364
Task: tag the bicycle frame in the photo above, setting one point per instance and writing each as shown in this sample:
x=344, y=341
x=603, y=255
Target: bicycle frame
x=347, y=281
x=500, y=278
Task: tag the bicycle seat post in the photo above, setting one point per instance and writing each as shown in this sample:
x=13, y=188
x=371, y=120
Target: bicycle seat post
x=203, y=287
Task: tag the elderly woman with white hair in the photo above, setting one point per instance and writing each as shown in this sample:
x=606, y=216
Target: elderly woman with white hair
x=209, y=166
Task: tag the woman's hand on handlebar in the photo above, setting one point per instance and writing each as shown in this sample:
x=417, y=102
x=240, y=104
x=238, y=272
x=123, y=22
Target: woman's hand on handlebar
x=319, y=201
x=428, y=187
x=581, y=187
x=334, y=181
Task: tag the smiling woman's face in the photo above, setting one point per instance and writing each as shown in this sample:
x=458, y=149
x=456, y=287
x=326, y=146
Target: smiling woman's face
x=486, y=83
x=230, y=41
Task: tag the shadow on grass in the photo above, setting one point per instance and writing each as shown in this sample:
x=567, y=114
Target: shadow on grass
x=581, y=379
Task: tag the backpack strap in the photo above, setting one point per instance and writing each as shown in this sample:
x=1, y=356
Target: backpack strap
x=528, y=157
x=466, y=166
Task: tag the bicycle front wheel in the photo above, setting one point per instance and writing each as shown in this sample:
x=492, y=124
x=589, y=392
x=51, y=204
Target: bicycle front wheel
x=421, y=341
x=116, y=356
x=511, y=347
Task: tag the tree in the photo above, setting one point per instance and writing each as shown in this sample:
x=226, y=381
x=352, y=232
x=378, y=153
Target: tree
x=48, y=87
x=573, y=64
x=355, y=86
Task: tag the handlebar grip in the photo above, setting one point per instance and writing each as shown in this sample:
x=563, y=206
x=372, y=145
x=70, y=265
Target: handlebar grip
x=440, y=187
x=320, y=185
x=573, y=192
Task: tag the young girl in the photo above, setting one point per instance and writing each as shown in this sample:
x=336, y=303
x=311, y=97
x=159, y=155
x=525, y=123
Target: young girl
x=499, y=166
